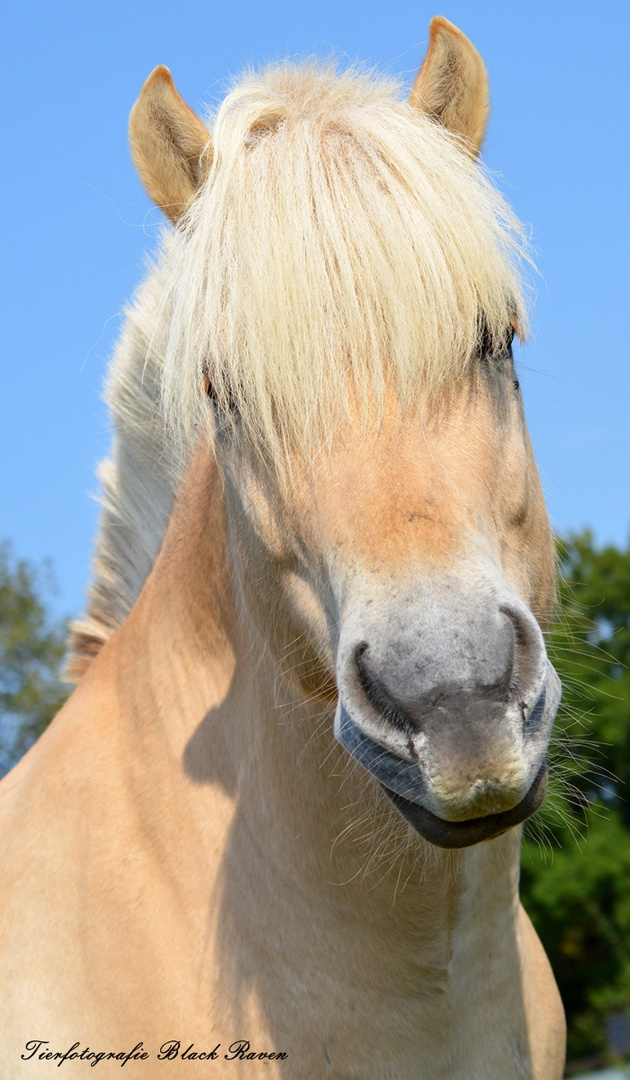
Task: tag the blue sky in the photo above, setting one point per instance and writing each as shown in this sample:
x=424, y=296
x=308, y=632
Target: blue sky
x=76, y=222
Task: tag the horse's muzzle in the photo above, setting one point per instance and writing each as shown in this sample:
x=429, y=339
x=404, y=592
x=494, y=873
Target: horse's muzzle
x=459, y=834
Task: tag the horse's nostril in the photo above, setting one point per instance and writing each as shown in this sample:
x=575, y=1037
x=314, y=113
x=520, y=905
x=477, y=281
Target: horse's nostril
x=529, y=660
x=380, y=698
x=526, y=632
x=360, y=649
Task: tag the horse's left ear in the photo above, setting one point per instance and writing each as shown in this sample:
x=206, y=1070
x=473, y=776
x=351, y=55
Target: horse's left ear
x=452, y=84
x=170, y=146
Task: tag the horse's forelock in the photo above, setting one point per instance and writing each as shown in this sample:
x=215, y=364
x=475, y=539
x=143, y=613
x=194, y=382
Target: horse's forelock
x=340, y=236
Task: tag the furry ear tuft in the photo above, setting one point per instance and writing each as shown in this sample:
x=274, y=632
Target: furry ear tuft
x=170, y=146
x=452, y=84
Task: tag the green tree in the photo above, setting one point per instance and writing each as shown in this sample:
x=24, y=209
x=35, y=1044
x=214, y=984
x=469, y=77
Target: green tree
x=31, y=651
x=576, y=864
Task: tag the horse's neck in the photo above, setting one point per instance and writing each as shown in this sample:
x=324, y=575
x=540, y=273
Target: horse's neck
x=298, y=822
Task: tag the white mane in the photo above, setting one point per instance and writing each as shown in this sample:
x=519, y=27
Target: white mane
x=341, y=243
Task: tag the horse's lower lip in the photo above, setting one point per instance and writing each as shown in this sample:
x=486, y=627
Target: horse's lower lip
x=458, y=834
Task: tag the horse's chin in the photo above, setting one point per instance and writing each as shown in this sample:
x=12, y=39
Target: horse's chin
x=459, y=834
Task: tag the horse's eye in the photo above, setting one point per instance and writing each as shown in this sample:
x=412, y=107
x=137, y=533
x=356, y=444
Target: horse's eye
x=489, y=347
x=485, y=342
x=505, y=347
x=211, y=395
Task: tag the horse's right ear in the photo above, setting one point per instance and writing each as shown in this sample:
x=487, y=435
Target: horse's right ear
x=452, y=84
x=170, y=146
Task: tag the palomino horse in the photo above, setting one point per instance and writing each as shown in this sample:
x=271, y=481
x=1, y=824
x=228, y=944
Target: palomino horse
x=274, y=832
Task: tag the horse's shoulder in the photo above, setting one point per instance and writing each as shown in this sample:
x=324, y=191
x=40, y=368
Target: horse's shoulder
x=543, y=1006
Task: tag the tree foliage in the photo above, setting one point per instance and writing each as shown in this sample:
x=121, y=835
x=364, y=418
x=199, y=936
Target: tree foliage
x=576, y=871
x=31, y=651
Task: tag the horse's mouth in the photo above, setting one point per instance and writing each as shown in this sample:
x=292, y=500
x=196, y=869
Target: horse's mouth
x=459, y=834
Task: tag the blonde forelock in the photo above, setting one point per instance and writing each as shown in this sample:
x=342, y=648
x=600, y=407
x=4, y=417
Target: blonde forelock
x=342, y=243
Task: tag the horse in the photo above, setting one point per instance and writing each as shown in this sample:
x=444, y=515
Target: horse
x=276, y=827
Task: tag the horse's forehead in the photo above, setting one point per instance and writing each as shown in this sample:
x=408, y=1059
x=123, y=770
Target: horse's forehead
x=434, y=465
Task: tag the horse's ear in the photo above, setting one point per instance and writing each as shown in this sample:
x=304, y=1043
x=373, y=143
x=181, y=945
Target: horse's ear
x=170, y=146
x=452, y=84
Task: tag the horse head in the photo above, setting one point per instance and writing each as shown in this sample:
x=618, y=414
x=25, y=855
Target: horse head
x=347, y=298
